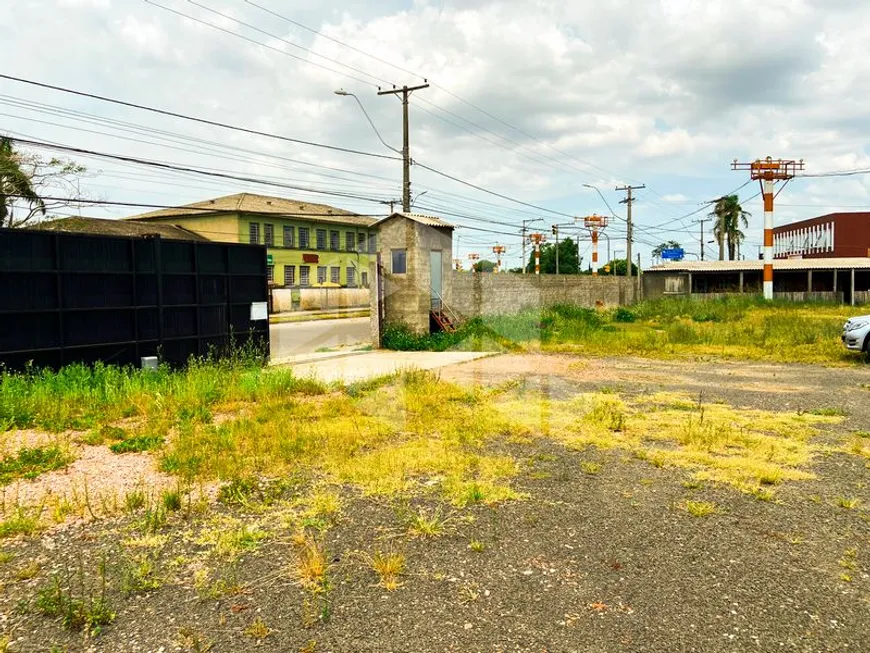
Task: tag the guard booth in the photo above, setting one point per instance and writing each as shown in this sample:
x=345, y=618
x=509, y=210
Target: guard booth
x=413, y=274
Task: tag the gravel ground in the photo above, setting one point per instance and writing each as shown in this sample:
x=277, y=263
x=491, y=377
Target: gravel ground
x=588, y=562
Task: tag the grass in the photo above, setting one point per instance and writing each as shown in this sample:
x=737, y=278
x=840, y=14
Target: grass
x=735, y=327
x=701, y=508
x=425, y=524
x=312, y=566
x=848, y=503
x=30, y=463
x=590, y=468
x=390, y=567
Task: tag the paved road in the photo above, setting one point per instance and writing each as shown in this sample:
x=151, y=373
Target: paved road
x=296, y=338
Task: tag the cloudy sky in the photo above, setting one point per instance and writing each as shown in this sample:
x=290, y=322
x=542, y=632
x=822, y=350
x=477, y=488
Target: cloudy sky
x=529, y=100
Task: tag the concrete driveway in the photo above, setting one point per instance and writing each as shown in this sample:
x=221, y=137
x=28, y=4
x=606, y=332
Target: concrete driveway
x=295, y=338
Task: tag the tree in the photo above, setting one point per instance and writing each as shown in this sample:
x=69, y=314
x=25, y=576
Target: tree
x=728, y=217
x=484, y=266
x=671, y=244
x=569, y=258
x=617, y=267
x=27, y=178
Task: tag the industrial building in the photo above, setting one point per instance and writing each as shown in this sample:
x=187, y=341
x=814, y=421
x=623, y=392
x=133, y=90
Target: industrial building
x=836, y=235
x=811, y=279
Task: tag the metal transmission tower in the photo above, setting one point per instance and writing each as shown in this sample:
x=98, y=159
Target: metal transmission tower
x=594, y=223
x=768, y=171
x=628, y=201
x=405, y=92
x=536, y=240
x=524, y=230
x=499, y=251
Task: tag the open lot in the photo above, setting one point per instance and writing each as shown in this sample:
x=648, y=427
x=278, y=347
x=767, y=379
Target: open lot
x=525, y=502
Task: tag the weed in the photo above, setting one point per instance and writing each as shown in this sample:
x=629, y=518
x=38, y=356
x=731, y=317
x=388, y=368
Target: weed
x=231, y=537
x=140, y=576
x=427, y=524
x=590, y=468
x=190, y=639
x=693, y=485
x=846, y=578
x=389, y=566
x=29, y=571
x=23, y=521
x=6, y=557
x=78, y=608
x=258, y=629
x=848, y=503
x=763, y=493
x=830, y=411
x=312, y=566
x=137, y=444
x=30, y=463
x=477, y=546
x=134, y=500
x=171, y=500
x=701, y=508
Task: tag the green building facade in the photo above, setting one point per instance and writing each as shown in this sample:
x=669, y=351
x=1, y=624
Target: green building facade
x=309, y=245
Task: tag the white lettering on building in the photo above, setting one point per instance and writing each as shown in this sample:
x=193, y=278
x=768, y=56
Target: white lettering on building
x=817, y=239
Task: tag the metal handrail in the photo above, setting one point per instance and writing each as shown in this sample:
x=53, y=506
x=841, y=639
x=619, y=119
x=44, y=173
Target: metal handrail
x=444, y=306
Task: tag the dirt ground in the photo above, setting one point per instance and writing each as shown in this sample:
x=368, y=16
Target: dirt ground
x=589, y=561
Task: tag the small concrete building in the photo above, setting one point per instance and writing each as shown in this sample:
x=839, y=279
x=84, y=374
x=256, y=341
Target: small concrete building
x=819, y=279
x=416, y=258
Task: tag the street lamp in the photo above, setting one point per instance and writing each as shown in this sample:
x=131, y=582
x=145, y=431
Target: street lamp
x=344, y=93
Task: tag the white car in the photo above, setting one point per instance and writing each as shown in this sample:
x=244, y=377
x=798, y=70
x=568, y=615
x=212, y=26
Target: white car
x=856, y=332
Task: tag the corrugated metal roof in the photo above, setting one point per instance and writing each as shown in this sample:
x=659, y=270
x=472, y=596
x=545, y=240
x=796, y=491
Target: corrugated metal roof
x=428, y=220
x=118, y=228
x=757, y=265
x=262, y=204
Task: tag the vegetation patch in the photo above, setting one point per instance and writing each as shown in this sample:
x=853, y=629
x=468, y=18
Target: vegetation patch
x=30, y=463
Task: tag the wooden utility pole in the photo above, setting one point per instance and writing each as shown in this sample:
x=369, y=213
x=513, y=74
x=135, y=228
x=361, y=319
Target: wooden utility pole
x=628, y=201
x=556, y=236
x=701, y=222
x=405, y=91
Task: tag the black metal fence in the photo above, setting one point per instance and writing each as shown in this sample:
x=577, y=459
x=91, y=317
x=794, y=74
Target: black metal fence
x=82, y=298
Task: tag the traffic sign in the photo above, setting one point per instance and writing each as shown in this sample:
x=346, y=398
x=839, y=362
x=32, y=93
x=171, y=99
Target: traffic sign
x=676, y=254
x=268, y=259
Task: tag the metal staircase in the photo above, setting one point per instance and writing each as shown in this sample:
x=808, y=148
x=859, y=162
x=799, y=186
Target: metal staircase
x=442, y=316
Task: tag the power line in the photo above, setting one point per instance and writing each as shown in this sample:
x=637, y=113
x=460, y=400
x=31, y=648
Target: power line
x=204, y=121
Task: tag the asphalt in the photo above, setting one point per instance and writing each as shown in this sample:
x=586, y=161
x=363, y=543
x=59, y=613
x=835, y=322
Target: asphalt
x=296, y=338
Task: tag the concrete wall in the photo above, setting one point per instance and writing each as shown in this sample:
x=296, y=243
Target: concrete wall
x=316, y=299
x=499, y=294
x=407, y=296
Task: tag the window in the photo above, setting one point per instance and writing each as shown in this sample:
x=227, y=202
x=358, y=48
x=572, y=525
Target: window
x=399, y=261
x=373, y=244
x=361, y=242
x=334, y=243
x=351, y=278
x=349, y=241
x=335, y=275
x=321, y=274
x=289, y=275
x=304, y=275
x=321, y=239
x=269, y=234
x=304, y=238
x=254, y=233
x=675, y=285
x=289, y=241
x=365, y=279
x=270, y=273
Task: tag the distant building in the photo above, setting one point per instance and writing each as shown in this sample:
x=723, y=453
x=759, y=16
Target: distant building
x=836, y=235
x=308, y=245
x=105, y=227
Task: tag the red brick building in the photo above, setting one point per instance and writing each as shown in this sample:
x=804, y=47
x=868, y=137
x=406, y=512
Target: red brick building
x=836, y=235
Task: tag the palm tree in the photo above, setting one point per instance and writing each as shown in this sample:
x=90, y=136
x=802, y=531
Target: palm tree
x=14, y=184
x=728, y=217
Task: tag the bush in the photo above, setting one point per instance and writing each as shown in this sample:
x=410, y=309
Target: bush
x=623, y=314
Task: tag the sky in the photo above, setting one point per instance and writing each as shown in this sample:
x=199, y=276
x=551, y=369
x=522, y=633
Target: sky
x=530, y=103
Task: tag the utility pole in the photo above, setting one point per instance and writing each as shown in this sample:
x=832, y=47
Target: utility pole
x=701, y=222
x=556, y=236
x=525, y=229
x=768, y=172
x=594, y=223
x=537, y=239
x=405, y=91
x=499, y=251
x=473, y=258
x=628, y=201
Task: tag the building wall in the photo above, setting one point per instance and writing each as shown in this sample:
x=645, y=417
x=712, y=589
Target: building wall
x=832, y=235
x=499, y=294
x=221, y=228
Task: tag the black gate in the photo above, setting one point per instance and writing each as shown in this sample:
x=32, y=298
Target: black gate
x=68, y=297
